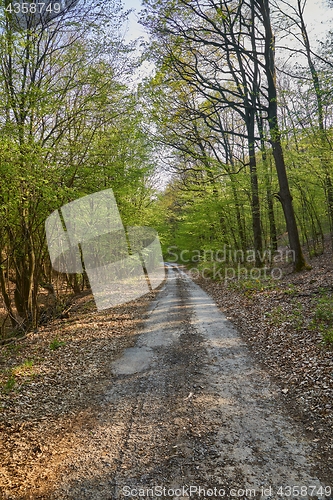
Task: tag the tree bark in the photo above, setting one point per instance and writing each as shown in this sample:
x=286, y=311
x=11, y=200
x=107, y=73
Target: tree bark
x=275, y=139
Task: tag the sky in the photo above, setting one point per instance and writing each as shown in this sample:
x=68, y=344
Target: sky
x=317, y=16
x=135, y=30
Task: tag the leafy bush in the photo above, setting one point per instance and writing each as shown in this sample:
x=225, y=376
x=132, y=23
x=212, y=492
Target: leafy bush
x=324, y=310
x=26, y=368
x=250, y=286
x=328, y=336
x=323, y=318
x=9, y=385
x=279, y=315
x=56, y=343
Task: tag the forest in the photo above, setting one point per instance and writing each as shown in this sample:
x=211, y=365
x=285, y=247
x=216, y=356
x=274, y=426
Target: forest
x=235, y=122
x=215, y=130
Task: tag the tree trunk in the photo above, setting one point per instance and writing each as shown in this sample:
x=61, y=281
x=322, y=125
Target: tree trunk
x=255, y=203
x=6, y=297
x=275, y=139
x=271, y=217
x=240, y=227
x=269, y=196
x=287, y=204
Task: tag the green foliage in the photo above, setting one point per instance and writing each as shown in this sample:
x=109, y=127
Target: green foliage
x=201, y=117
x=297, y=316
x=252, y=286
x=280, y=315
x=327, y=336
x=291, y=290
x=324, y=310
x=323, y=318
x=19, y=374
x=9, y=385
x=56, y=343
x=276, y=316
x=24, y=369
x=70, y=127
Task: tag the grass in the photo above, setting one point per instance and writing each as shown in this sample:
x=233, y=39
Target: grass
x=327, y=336
x=9, y=385
x=250, y=286
x=324, y=310
x=278, y=316
x=242, y=277
x=56, y=343
x=323, y=318
x=297, y=316
x=24, y=371
x=291, y=290
x=243, y=283
x=13, y=348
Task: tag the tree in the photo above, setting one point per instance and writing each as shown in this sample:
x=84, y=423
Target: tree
x=297, y=25
x=58, y=89
x=225, y=51
x=275, y=135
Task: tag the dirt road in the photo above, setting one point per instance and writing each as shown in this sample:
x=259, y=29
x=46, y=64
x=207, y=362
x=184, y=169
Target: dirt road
x=188, y=414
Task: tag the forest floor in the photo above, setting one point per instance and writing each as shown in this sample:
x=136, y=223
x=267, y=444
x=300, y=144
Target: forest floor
x=66, y=396
x=51, y=384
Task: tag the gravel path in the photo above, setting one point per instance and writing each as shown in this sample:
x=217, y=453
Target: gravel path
x=188, y=414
